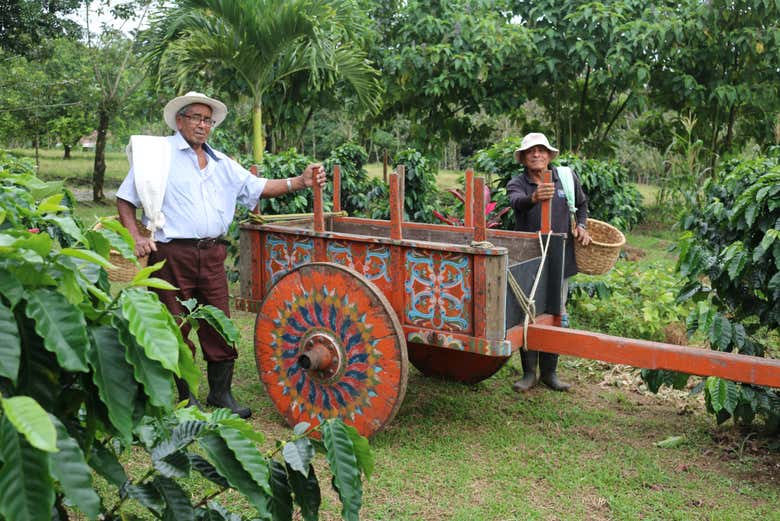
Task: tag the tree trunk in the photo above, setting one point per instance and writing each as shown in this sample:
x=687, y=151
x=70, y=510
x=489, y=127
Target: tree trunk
x=730, y=130
x=258, y=137
x=99, y=170
x=66, y=155
x=36, y=143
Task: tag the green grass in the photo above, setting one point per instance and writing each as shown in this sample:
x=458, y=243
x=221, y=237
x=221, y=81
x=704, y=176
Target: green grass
x=649, y=194
x=77, y=171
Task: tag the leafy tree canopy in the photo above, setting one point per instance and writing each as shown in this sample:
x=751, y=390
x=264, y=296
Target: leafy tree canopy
x=446, y=61
x=25, y=23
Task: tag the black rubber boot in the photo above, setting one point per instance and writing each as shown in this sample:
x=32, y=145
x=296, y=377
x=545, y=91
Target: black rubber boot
x=186, y=395
x=220, y=381
x=547, y=366
x=529, y=379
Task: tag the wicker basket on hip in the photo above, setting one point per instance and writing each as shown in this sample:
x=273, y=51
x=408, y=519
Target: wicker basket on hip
x=125, y=269
x=600, y=255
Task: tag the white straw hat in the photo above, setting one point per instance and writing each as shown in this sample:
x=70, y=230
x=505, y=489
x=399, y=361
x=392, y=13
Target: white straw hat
x=533, y=139
x=218, y=109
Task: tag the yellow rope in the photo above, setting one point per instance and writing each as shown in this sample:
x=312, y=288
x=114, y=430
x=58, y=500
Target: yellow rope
x=262, y=219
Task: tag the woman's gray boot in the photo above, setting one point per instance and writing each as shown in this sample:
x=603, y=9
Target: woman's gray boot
x=548, y=365
x=220, y=382
x=528, y=358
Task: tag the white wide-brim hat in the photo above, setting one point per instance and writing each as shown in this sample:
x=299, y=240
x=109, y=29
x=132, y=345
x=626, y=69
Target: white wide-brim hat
x=533, y=139
x=218, y=109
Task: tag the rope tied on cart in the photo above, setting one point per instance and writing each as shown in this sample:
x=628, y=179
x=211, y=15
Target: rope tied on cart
x=263, y=219
x=527, y=303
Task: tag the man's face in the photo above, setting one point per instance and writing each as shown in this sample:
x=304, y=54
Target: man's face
x=195, y=124
x=536, y=158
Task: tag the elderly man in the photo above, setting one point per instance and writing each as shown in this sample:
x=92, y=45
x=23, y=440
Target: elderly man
x=196, y=204
x=525, y=192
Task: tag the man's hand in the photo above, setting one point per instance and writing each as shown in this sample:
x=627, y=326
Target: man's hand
x=582, y=235
x=143, y=245
x=543, y=192
x=314, y=172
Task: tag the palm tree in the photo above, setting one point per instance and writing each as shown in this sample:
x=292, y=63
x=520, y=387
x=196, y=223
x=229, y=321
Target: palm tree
x=249, y=46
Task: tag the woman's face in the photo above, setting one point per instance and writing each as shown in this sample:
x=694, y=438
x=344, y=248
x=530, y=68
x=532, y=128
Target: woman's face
x=536, y=158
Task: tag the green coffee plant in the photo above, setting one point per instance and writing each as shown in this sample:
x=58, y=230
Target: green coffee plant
x=628, y=302
x=87, y=375
x=730, y=260
x=420, y=191
x=357, y=189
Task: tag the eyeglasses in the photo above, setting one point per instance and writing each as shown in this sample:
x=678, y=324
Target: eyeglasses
x=197, y=119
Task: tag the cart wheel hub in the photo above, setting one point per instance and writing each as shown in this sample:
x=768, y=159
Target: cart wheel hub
x=322, y=355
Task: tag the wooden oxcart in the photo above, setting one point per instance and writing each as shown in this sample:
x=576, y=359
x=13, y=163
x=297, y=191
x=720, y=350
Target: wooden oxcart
x=344, y=304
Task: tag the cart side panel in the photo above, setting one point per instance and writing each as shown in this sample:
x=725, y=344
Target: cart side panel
x=372, y=261
x=281, y=253
x=439, y=290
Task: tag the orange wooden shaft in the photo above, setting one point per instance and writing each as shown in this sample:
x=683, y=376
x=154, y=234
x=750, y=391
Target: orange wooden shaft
x=468, y=204
x=654, y=355
x=402, y=191
x=480, y=226
x=319, y=216
x=395, y=218
x=546, y=223
x=336, y=188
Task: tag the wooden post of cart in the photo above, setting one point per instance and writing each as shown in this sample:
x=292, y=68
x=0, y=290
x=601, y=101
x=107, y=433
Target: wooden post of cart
x=336, y=188
x=468, y=200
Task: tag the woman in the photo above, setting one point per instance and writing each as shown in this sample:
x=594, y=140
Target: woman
x=526, y=192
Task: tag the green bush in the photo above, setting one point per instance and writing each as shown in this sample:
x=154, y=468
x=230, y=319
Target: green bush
x=87, y=375
x=628, y=302
x=611, y=197
x=730, y=260
x=420, y=191
x=357, y=189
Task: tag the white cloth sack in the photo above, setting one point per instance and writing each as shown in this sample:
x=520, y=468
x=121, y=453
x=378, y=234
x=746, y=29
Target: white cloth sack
x=567, y=181
x=150, y=159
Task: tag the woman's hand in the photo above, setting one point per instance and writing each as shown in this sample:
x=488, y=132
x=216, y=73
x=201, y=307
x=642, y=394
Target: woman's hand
x=582, y=235
x=543, y=192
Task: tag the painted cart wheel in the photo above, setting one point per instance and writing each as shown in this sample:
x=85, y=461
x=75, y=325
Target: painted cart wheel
x=328, y=344
x=451, y=364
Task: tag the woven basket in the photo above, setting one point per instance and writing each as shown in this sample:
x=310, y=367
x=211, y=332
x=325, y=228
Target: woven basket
x=125, y=269
x=600, y=255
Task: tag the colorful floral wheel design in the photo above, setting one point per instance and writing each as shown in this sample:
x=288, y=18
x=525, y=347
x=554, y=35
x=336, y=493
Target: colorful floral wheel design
x=451, y=364
x=328, y=344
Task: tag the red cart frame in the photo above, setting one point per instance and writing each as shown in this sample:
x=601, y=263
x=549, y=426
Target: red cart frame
x=344, y=304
